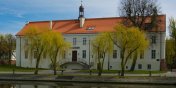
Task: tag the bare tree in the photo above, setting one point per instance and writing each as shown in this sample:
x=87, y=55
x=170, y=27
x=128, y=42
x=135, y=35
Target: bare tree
x=137, y=11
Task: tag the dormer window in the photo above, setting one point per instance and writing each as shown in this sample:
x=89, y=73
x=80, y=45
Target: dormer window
x=90, y=28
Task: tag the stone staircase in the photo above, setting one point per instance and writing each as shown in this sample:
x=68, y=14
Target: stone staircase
x=82, y=62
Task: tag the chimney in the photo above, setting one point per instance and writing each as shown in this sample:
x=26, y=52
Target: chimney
x=51, y=24
x=81, y=21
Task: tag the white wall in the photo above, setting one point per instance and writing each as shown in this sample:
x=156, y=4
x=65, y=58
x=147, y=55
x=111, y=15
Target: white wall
x=114, y=63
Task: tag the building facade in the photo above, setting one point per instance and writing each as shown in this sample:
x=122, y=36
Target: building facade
x=81, y=32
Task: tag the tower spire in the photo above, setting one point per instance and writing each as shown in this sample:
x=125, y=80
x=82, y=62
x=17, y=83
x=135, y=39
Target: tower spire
x=81, y=2
x=81, y=15
x=81, y=10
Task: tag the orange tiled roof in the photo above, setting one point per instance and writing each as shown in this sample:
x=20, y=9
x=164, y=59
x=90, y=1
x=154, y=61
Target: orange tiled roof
x=72, y=26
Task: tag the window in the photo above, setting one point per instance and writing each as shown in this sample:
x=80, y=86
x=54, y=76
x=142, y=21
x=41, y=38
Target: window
x=74, y=41
x=127, y=67
x=90, y=28
x=153, y=39
x=44, y=55
x=64, y=56
x=149, y=66
x=114, y=53
x=101, y=55
x=130, y=57
x=139, y=66
x=84, y=54
x=148, y=26
x=110, y=67
x=126, y=23
x=142, y=54
x=35, y=54
x=26, y=54
x=26, y=41
x=153, y=54
x=84, y=41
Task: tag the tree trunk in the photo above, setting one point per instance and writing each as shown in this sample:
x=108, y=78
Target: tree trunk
x=122, y=71
x=122, y=64
x=9, y=58
x=37, y=65
x=134, y=62
x=133, y=65
x=54, y=69
x=99, y=72
x=55, y=72
x=35, y=86
x=99, y=69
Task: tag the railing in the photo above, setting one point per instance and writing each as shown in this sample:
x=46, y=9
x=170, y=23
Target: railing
x=82, y=61
x=62, y=61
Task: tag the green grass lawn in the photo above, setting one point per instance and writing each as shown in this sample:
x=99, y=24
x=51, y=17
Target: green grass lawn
x=127, y=72
x=9, y=68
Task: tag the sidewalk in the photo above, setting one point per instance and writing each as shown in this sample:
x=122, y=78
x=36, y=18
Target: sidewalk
x=89, y=79
x=168, y=78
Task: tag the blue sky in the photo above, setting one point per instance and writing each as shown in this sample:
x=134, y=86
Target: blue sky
x=15, y=13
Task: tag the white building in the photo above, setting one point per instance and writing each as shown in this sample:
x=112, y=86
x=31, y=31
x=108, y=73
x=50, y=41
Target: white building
x=80, y=32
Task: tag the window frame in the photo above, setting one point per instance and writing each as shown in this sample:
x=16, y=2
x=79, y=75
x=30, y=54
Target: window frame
x=64, y=55
x=114, y=54
x=44, y=55
x=153, y=39
x=140, y=66
x=84, y=41
x=149, y=66
x=74, y=41
x=141, y=56
x=84, y=54
x=35, y=54
x=26, y=54
x=153, y=54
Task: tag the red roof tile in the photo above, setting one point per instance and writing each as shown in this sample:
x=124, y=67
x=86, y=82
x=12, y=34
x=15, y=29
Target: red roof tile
x=72, y=26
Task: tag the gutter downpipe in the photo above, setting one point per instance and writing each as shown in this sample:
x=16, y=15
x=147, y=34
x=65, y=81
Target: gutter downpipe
x=90, y=72
x=20, y=51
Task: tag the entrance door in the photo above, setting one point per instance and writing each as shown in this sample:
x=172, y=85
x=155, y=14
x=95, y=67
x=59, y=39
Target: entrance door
x=74, y=55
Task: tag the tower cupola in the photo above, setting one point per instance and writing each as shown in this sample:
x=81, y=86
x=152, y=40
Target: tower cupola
x=81, y=11
x=81, y=16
